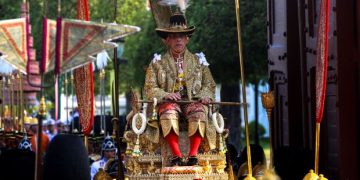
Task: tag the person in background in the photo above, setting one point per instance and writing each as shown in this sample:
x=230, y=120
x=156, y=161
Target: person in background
x=51, y=129
x=7, y=120
x=61, y=127
x=33, y=129
x=27, y=122
x=18, y=163
x=74, y=124
x=44, y=126
x=66, y=158
x=25, y=144
x=108, y=151
x=258, y=161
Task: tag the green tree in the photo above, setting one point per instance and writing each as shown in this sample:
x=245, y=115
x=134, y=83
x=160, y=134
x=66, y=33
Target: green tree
x=139, y=50
x=9, y=11
x=261, y=130
x=216, y=35
x=253, y=22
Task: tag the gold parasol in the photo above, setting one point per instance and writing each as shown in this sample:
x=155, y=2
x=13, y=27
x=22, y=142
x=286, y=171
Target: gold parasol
x=13, y=43
x=80, y=40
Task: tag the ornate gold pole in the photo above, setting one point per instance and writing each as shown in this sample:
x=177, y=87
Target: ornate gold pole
x=317, y=146
x=2, y=87
x=243, y=86
x=268, y=102
x=104, y=99
x=11, y=85
x=115, y=120
x=72, y=97
x=86, y=142
x=17, y=107
x=102, y=104
x=41, y=116
x=21, y=104
x=66, y=82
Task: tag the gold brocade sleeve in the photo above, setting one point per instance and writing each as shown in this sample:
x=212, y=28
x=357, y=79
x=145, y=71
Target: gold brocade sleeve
x=208, y=85
x=151, y=87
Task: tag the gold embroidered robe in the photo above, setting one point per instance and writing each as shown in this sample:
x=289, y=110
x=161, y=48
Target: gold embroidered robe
x=160, y=80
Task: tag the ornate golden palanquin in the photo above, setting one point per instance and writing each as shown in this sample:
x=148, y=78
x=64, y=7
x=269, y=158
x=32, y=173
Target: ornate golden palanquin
x=153, y=159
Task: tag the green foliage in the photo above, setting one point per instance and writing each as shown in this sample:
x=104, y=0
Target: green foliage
x=261, y=130
x=216, y=35
x=253, y=29
x=132, y=13
x=9, y=11
x=139, y=50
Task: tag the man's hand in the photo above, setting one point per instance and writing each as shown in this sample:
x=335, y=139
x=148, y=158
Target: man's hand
x=205, y=100
x=173, y=96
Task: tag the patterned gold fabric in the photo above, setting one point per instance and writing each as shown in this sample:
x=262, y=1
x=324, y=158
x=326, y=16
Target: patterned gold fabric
x=168, y=121
x=195, y=113
x=210, y=135
x=182, y=170
x=161, y=78
x=84, y=82
x=196, y=125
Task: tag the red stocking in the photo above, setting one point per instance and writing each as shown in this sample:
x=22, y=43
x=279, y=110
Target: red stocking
x=173, y=140
x=195, y=141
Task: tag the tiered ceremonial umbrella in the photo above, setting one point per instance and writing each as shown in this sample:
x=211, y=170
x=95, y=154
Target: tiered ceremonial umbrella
x=77, y=41
x=13, y=44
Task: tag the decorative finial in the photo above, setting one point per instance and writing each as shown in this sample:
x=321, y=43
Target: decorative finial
x=7, y=112
x=311, y=175
x=42, y=108
x=268, y=100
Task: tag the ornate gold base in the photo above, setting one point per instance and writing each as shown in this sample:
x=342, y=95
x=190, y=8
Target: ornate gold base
x=211, y=166
x=153, y=160
x=183, y=170
x=212, y=176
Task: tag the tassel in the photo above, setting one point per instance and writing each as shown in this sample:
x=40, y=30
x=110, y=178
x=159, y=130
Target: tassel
x=222, y=146
x=128, y=151
x=154, y=113
x=102, y=59
x=136, y=152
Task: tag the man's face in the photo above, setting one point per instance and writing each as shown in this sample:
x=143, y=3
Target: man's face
x=177, y=42
x=109, y=154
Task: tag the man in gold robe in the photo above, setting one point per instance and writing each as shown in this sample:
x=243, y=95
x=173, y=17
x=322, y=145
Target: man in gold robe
x=180, y=75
